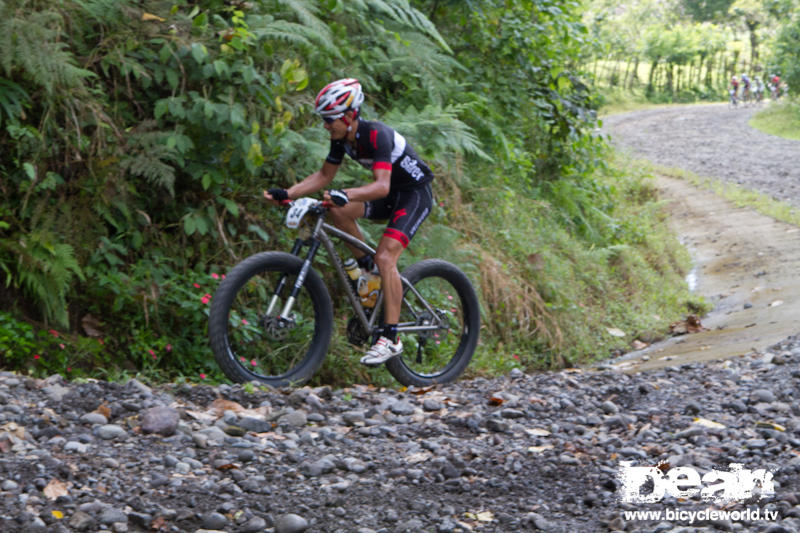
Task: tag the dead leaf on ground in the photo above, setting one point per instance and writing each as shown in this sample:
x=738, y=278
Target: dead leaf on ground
x=639, y=345
x=104, y=410
x=692, y=324
x=540, y=449
x=708, y=423
x=55, y=489
x=495, y=401
x=220, y=405
x=420, y=457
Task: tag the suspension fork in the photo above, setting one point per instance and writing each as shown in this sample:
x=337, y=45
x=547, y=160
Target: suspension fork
x=301, y=278
x=276, y=295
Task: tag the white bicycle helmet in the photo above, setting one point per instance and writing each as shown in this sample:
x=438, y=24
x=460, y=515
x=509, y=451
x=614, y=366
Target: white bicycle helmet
x=339, y=96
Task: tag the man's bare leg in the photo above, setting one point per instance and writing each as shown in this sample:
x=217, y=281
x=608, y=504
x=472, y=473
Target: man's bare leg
x=386, y=258
x=345, y=218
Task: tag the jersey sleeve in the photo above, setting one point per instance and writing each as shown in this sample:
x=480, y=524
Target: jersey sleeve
x=336, y=153
x=382, y=141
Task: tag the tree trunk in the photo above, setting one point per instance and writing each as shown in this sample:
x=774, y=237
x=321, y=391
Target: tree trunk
x=651, y=80
x=670, y=74
x=700, y=64
x=627, y=73
x=635, y=76
x=752, y=26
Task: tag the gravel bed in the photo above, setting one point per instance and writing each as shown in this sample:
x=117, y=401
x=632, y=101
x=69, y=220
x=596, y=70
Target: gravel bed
x=518, y=453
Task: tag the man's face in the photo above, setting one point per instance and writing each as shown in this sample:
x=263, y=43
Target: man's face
x=337, y=128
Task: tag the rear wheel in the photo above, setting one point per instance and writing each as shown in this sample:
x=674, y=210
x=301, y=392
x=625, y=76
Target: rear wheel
x=446, y=299
x=250, y=343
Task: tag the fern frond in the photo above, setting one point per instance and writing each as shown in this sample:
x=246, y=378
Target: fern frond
x=307, y=12
x=31, y=45
x=401, y=12
x=439, y=128
x=45, y=269
x=149, y=157
x=104, y=11
x=415, y=56
x=13, y=99
x=293, y=33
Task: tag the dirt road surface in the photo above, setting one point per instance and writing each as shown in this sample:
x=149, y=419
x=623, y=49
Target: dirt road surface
x=746, y=264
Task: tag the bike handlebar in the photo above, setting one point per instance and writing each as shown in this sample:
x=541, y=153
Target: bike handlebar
x=325, y=204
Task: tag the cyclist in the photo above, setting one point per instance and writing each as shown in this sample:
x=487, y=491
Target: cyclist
x=776, y=86
x=759, y=88
x=745, y=88
x=734, y=89
x=401, y=192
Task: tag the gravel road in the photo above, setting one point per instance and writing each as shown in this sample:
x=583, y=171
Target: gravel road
x=712, y=140
x=536, y=452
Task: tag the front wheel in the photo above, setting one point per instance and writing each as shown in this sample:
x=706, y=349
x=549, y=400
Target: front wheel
x=250, y=339
x=444, y=298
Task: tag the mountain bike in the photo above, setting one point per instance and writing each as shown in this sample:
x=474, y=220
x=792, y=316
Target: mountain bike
x=271, y=319
x=732, y=101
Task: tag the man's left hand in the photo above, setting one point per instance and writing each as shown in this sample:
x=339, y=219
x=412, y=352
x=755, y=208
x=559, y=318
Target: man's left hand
x=338, y=197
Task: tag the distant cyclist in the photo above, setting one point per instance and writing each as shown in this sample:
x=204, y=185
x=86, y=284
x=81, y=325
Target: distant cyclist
x=745, y=88
x=775, y=87
x=734, y=90
x=758, y=87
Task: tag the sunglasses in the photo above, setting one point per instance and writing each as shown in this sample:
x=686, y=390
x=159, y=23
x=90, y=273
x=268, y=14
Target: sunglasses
x=331, y=120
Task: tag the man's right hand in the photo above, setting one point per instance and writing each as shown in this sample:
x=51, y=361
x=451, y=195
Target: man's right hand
x=276, y=195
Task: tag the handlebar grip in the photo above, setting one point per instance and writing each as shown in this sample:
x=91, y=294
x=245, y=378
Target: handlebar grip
x=286, y=202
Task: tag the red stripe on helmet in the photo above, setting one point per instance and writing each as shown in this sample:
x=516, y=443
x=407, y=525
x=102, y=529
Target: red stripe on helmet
x=323, y=91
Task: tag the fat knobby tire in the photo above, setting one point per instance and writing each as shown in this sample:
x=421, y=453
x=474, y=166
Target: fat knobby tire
x=224, y=297
x=469, y=337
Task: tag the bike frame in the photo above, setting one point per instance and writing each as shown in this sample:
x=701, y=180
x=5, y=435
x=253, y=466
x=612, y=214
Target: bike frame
x=321, y=235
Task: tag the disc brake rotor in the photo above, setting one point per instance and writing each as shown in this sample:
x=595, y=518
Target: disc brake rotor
x=279, y=327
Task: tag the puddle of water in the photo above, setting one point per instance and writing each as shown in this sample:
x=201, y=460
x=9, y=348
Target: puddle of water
x=691, y=279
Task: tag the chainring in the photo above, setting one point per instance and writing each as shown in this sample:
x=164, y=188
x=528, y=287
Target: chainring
x=356, y=334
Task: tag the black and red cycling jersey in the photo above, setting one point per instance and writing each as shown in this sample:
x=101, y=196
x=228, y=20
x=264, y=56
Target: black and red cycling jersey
x=379, y=146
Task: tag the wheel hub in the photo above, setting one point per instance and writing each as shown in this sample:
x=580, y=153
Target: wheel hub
x=278, y=327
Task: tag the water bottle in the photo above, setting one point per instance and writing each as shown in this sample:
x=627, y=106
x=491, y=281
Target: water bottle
x=369, y=284
x=351, y=267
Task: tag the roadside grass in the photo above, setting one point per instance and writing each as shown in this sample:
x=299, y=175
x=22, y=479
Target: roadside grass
x=562, y=301
x=615, y=100
x=781, y=119
x=733, y=192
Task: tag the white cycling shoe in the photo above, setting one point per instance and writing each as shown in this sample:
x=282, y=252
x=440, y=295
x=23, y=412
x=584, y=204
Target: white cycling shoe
x=382, y=351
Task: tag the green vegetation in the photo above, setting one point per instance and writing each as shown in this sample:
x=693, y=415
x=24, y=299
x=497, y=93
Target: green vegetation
x=138, y=136
x=780, y=118
x=684, y=50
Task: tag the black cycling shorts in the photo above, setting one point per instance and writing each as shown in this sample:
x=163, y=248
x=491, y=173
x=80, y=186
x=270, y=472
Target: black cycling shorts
x=405, y=211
